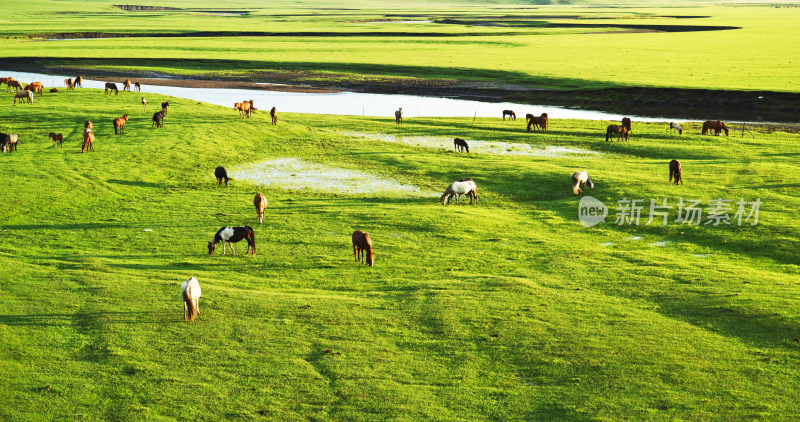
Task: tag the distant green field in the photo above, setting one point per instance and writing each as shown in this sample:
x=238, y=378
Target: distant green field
x=507, y=44
x=505, y=310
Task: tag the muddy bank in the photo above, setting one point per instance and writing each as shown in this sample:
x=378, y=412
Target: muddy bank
x=689, y=104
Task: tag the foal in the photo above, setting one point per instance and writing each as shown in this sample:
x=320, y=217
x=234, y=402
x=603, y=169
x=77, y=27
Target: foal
x=57, y=139
x=362, y=248
x=233, y=235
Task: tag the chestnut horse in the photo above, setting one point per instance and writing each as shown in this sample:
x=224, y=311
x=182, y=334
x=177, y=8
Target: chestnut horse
x=675, y=171
x=138, y=86
x=13, y=84
x=126, y=86
x=540, y=121
x=68, y=82
x=620, y=130
x=260, y=202
x=119, y=124
x=510, y=114
x=6, y=80
x=362, y=248
x=274, y=114
x=35, y=87
x=57, y=139
x=88, y=137
x=244, y=108
x=78, y=81
x=111, y=86
x=144, y=104
x=716, y=125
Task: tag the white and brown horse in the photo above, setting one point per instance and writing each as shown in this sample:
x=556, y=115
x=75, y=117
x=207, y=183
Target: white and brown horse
x=233, y=235
x=461, y=187
x=362, y=248
x=190, y=294
x=580, y=178
x=8, y=142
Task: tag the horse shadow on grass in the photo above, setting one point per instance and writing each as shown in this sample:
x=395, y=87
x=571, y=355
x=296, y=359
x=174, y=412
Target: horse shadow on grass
x=138, y=183
x=87, y=319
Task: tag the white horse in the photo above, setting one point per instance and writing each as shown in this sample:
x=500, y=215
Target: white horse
x=579, y=178
x=461, y=187
x=190, y=292
x=23, y=95
x=673, y=125
x=398, y=116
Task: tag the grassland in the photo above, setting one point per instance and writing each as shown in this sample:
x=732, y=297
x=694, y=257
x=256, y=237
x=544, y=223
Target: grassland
x=508, y=310
x=508, y=45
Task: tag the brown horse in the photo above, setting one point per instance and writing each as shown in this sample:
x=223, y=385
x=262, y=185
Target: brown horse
x=398, y=116
x=126, y=86
x=111, y=86
x=138, y=86
x=260, y=202
x=221, y=175
x=57, y=139
x=510, y=114
x=144, y=104
x=362, y=248
x=626, y=123
x=158, y=118
x=35, y=87
x=119, y=124
x=716, y=125
x=53, y=89
x=69, y=84
x=165, y=106
x=540, y=121
x=244, y=108
x=13, y=84
x=6, y=80
x=274, y=114
x=675, y=171
x=88, y=137
x=619, y=130
x=79, y=81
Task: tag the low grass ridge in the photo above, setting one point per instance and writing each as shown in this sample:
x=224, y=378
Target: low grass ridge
x=509, y=310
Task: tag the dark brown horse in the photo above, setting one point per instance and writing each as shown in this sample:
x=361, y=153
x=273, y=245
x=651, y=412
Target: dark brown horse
x=158, y=118
x=510, y=114
x=165, y=106
x=138, y=86
x=78, y=82
x=362, y=248
x=274, y=114
x=221, y=174
x=53, y=89
x=13, y=84
x=111, y=86
x=119, y=124
x=716, y=125
x=626, y=123
x=233, y=235
x=460, y=145
x=540, y=121
x=619, y=130
x=57, y=139
x=675, y=172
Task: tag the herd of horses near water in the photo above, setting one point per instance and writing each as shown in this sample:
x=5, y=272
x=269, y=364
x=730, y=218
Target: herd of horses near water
x=362, y=244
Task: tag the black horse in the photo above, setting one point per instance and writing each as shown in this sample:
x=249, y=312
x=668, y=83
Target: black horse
x=233, y=235
x=460, y=145
x=158, y=118
x=221, y=174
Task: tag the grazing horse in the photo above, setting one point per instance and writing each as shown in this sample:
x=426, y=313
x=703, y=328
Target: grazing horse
x=138, y=86
x=126, y=86
x=6, y=80
x=581, y=178
x=111, y=86
x=362, y=248
x=79, y=81
x=190, y=293
x=398, y=116
x=675, y=171
x=673, y=125
x=165, y=106
x=233, y=235
x=460, y=145
x=28, y=95
x=620, y=130
x=144, y=104
x=461, y=187
x=8, y=142
x=88, y=137
x=221, y=174
x=119, y=124
x=36, y=87
x=274, y=114
x=540, y=121
x=626, y=123
x=13, y=84
x=716, y=125
x=244, y=109
x=69, y=84
x=510, y=114
x=57, y=139
x=158, y=117
x=260, y=202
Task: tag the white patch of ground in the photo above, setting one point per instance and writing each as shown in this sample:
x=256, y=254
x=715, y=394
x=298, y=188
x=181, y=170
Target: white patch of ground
x=635, y=238
x=607, y=244
x=296, y=174
x=661, y=243
x=700, y=255
x=476, y=146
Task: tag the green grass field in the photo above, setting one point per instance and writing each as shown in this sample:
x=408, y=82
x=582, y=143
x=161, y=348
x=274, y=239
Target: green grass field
x=506, y=310
x=505, y=44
